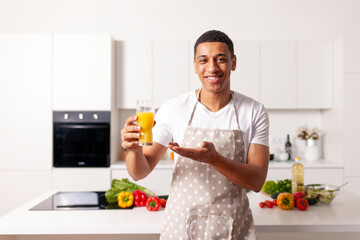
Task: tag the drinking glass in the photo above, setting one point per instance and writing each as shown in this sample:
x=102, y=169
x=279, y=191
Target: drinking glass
x=145, y=112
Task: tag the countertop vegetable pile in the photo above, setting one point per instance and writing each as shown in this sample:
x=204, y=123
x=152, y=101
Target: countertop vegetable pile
x=128, y=194
x=287, y=201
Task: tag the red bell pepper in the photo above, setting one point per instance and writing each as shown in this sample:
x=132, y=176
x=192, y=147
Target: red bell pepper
x=153, y=204
x=302, y=204
x=139, y=198
x=297, y=196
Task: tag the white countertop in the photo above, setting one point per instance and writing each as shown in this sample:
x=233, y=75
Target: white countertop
x=274, y=164
x=340, y=216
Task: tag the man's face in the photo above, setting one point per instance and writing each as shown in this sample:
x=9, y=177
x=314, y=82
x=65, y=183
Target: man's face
x=213, y=63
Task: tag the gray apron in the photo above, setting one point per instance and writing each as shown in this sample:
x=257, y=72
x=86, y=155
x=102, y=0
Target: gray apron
x=203, y=204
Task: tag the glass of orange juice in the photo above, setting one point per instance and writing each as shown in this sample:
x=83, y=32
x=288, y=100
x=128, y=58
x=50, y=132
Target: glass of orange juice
x=145, y=112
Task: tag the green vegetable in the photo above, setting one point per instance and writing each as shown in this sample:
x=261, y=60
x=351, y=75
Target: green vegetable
x=269, y=187
x=283, y=186
x=124, y=185
x=274, y=195
x=311, y=200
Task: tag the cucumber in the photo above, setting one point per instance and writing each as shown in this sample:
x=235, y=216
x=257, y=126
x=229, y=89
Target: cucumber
x=311, y=200
x=274, y=195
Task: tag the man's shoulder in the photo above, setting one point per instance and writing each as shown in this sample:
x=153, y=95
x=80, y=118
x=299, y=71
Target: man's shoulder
x=243, y=99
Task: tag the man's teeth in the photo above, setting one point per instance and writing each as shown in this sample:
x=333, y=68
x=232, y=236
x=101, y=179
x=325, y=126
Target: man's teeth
x=212, y=78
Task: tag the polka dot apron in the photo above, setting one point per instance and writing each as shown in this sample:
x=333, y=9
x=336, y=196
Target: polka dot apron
x=203, y=204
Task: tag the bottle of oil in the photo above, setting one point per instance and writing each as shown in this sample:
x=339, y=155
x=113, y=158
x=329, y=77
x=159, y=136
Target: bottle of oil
x=297, y=176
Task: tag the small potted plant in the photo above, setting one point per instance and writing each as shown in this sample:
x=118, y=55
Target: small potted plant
x=310, y=136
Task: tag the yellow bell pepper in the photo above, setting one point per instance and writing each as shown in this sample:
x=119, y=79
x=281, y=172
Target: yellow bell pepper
x=285, y=201
x=125, y=199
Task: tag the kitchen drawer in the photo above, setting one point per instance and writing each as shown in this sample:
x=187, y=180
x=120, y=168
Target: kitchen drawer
x=158, y=181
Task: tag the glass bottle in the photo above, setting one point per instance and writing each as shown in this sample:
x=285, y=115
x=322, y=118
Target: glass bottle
x=288, y=146
x=297, y=183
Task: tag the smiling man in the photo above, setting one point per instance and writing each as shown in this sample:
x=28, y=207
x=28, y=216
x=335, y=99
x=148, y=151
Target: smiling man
x=221, y=140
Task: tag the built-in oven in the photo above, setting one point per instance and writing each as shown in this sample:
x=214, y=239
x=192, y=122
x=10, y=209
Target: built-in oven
x=81, y=138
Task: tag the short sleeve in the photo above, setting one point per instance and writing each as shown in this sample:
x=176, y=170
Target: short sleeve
x=162, y=132
x=260, y=131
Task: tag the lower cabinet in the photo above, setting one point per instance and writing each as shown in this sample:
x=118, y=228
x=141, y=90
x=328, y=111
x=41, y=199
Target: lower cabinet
x=80, y=179
x=21, y=186
x=158, y=181
x=333, y=176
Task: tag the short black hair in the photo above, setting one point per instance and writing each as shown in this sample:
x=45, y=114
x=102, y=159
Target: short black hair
x=215, y=36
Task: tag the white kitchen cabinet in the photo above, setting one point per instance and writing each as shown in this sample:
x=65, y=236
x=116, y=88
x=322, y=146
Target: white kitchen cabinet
x=314, y=75
x=81, y=179
x=311, y=175
x=195, y=82
x=170, y=69
x=20, y=186
x=158, y=181
x=351, y=51
x=246, y=77
x=351, y=118
x=278, y=74
x=134, y=72
x=25, y=102
x=82, y=72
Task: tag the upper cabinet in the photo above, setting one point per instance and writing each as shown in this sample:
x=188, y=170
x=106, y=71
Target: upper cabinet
x=82, y=72
x=134, y=71
x=25, y=102
x=278, y=74
x=246, y=77
x=351, y=53
x=170, y=69
x=314, y=75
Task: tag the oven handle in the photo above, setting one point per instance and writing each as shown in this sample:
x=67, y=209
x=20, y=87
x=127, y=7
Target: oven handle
x=83, y=126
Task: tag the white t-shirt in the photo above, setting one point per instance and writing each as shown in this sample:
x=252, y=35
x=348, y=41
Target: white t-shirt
x=173, y=117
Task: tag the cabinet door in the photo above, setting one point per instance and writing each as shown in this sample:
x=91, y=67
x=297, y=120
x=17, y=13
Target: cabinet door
x=25, y=102
x=19, y=187
x=351, y=120
x=170, y=70
x=246, y=78
x=351, y=54
x=314, y=75
x=77, y=179
x=158, y=181
x=327, y=176
x=82, y=72
x=133, y=72
x=277, y=74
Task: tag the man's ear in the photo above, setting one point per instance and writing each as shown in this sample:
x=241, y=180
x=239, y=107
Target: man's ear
x=233, y=65
x=195, y=68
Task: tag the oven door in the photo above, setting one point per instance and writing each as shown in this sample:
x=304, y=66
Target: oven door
x=81, y=145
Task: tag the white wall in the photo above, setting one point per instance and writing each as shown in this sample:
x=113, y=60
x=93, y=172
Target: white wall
x=186, y=19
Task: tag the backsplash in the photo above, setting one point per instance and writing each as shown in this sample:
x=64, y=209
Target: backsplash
x=282, y=122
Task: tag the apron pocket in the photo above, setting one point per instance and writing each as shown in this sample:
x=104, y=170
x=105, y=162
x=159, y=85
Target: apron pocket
x=209, y=227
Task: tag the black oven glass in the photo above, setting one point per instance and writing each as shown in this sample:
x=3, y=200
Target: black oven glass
x=81, y=144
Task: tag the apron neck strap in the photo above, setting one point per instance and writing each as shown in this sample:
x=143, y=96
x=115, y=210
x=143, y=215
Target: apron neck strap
x=197, y=100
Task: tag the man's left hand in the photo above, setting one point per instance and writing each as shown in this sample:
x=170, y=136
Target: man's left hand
x=206, y=153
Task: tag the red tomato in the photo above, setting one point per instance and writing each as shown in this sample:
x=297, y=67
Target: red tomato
x=302, y=204
x=270, y=204
x=275, y=202
x=262, y=204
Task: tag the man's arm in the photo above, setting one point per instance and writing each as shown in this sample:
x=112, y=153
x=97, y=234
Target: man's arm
x=140, y=161
x=250, y=175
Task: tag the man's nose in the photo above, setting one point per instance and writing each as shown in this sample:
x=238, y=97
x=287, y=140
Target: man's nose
x=212, y=66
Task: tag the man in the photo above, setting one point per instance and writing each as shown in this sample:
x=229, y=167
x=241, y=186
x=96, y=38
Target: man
x=223, y=151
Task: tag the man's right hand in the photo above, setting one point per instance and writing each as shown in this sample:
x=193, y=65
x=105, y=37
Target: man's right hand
x=130, y=135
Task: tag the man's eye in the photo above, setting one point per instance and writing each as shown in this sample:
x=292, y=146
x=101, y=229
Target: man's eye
x=221, y=59
x=202, y=60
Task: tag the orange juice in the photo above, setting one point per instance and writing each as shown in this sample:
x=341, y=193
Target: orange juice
x=146, y=122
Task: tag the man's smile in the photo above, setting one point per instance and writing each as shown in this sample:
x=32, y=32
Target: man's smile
x=213, y=79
